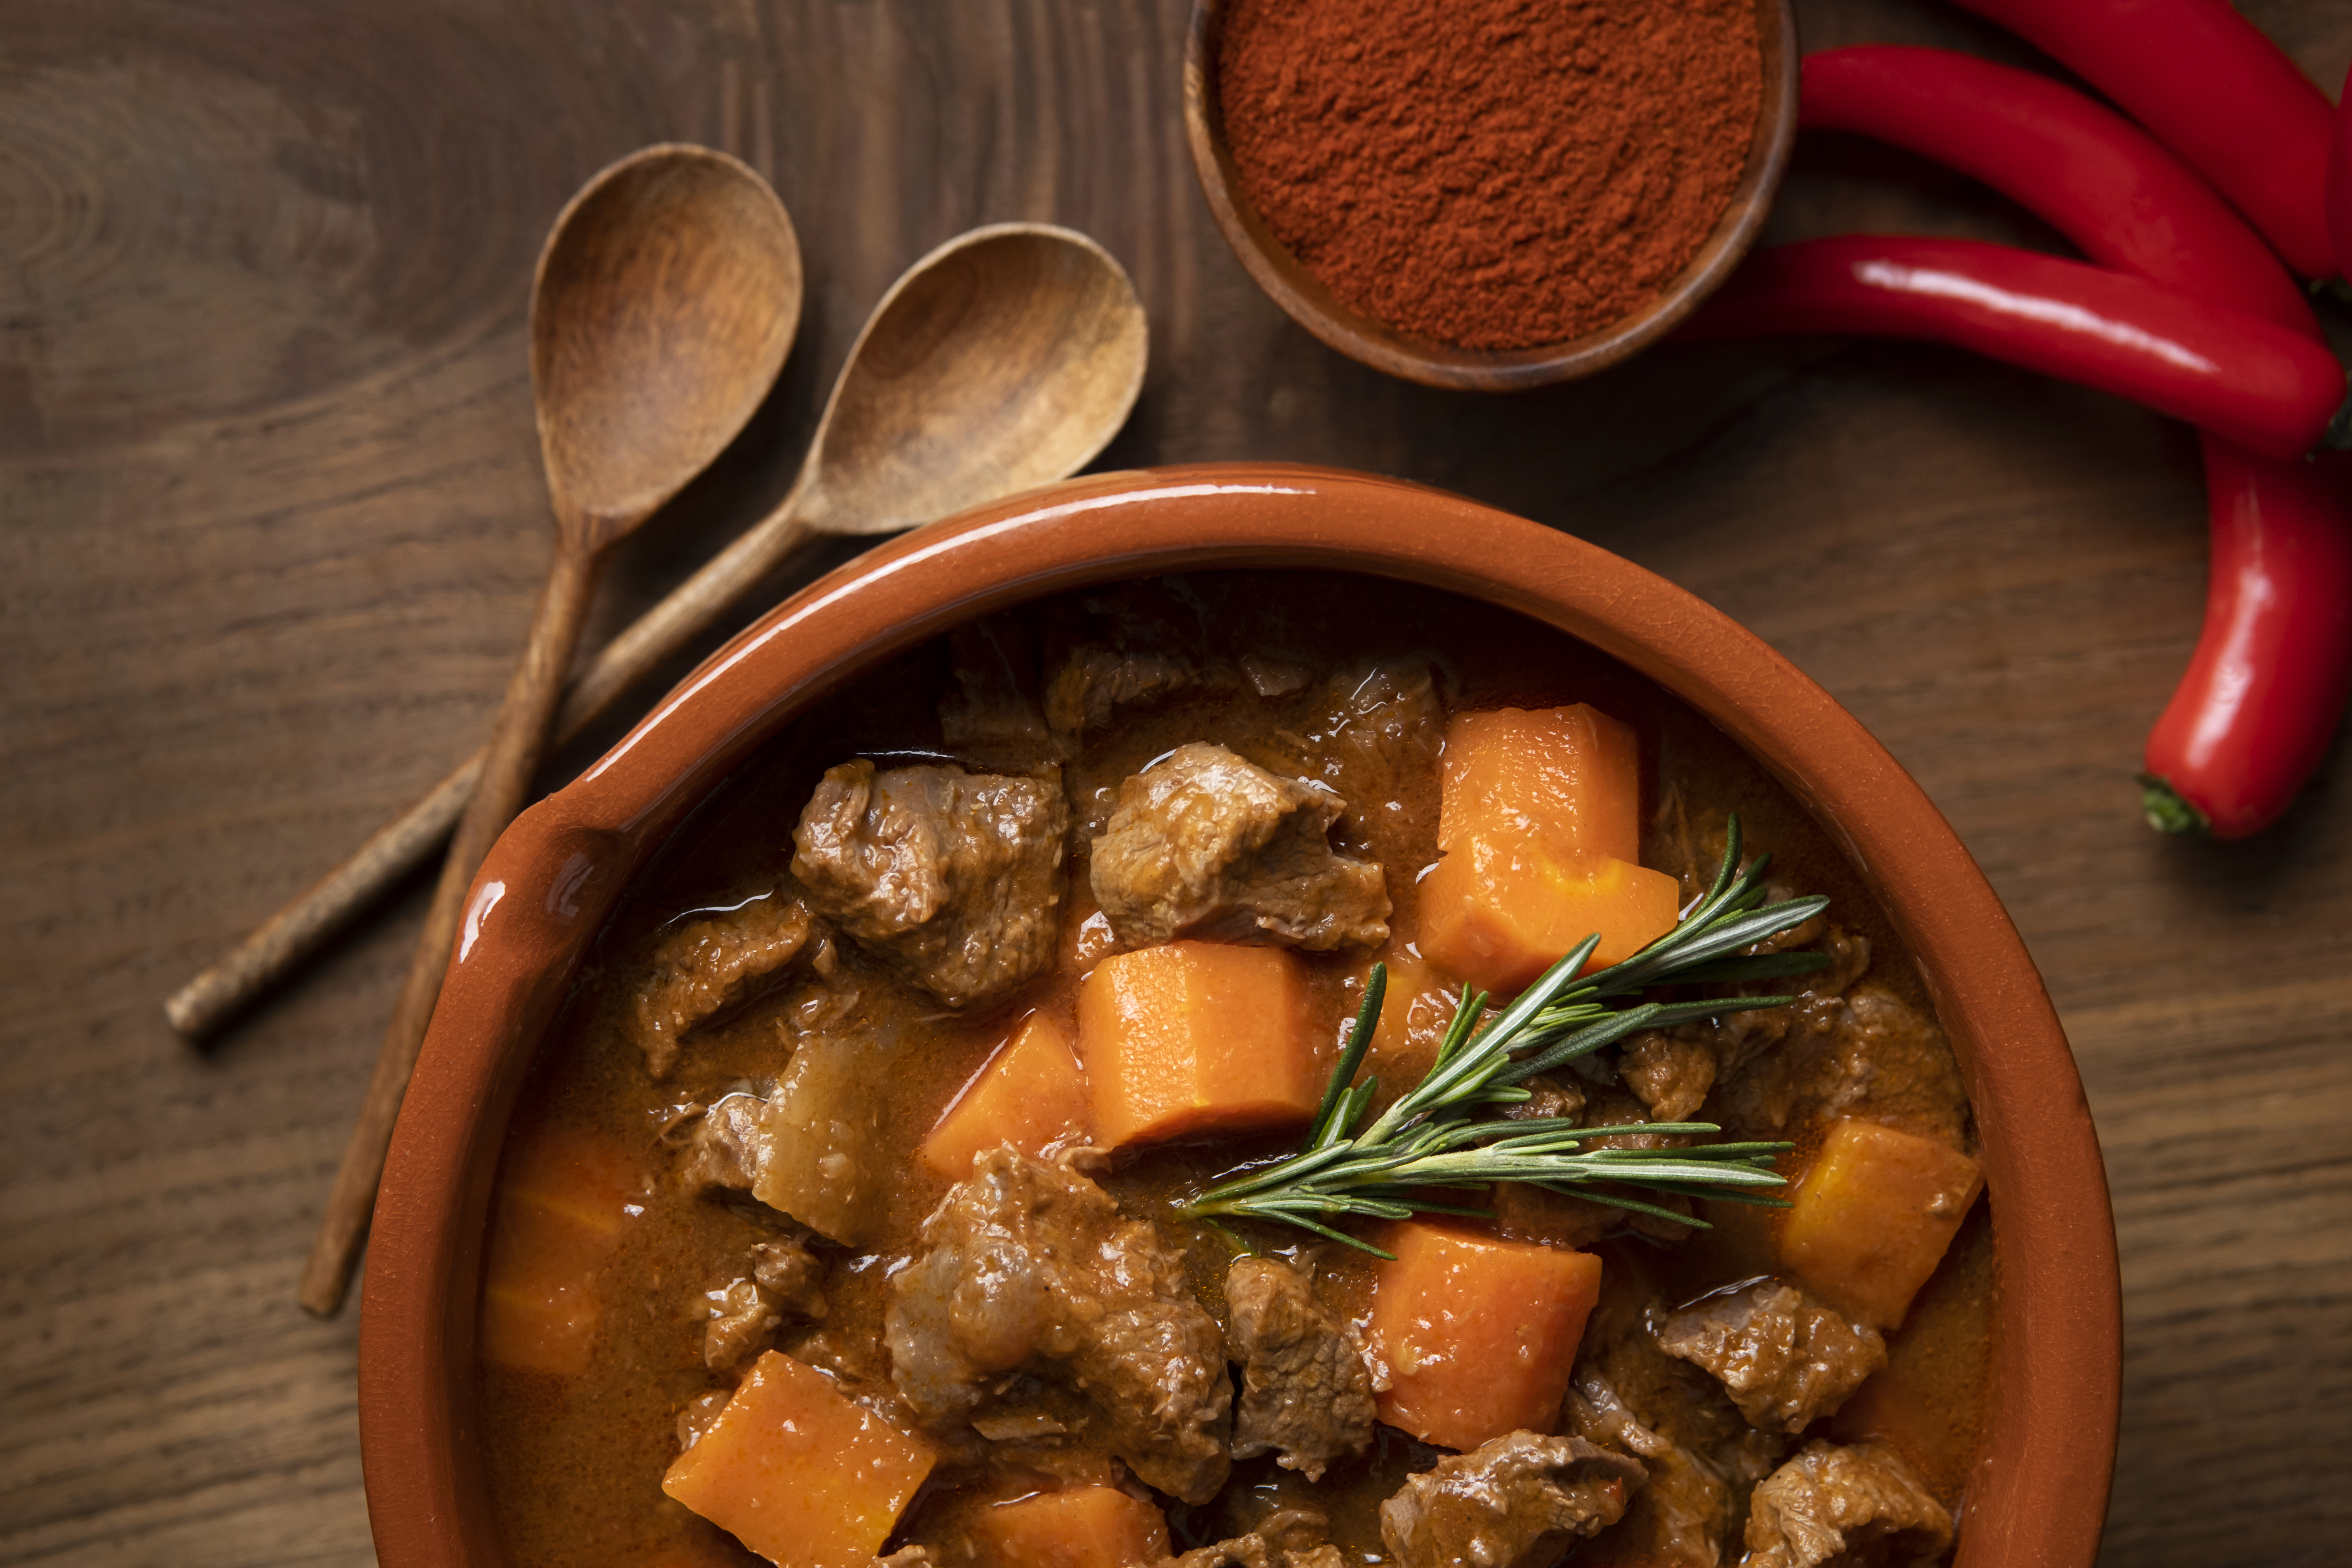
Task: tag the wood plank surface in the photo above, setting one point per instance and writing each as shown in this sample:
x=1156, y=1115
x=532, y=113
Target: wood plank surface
x=271, y=520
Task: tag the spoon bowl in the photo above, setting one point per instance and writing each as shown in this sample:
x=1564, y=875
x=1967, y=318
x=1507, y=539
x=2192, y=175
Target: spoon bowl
x=1298, y=291
x=937, y=409
x=665, y=304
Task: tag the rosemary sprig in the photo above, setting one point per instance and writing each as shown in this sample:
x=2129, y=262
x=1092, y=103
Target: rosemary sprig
x=1433, y=1137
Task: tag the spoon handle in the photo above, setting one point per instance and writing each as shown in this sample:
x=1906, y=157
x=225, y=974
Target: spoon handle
x=300, y=928
x=513, y=753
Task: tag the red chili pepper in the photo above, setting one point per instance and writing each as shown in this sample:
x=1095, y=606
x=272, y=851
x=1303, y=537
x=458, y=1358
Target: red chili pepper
x=2255, y=712
x=2085, y=170
x=2237, y=375
x=2252, y=716
x=2213, y=88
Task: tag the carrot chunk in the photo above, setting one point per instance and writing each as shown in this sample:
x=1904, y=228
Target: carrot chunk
x=1573, y=773
x=799, y=1473
x=1500, y=909
x=1196, y=1037
x=557, y=1219
x=1870, y=1219
x=1083, y=1527
x=1479, y=1334
x=1029, y=1094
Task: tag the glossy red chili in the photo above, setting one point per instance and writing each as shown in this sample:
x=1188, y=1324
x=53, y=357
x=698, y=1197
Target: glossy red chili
x=2238, y=375
x=2086, y=171
x=2267, y=685
x=2213, y=88
x=2252, y=716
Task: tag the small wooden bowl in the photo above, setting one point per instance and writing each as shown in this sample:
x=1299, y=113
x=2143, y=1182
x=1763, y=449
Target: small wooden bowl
x=1359, y=337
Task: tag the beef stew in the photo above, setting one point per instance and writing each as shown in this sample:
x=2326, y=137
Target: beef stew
x=733, y=1168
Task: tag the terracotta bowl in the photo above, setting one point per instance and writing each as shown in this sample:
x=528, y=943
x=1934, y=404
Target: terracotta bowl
x=2039, y=1493
x=1298, y=291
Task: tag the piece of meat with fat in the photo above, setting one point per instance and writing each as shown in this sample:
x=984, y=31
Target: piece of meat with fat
x=1205, y=844
x=1513, y=1502
x=812, y=1149
x=1786, y=1358
x=705, y=966
x=1027, y=1266
x=1838, y=1505
x=1680, y=1517
x=955, y=879
x=1305, y=1394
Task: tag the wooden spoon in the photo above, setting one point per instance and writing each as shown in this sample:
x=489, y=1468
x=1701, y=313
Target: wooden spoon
x=1003, y=360
x=664, y=301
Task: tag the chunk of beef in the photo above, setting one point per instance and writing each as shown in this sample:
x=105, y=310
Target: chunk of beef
x=1867, y=1053
x=1848, y=1507
x=954, y=878
x=1029, y=1267
x=1697, y=1493
x=1305, y=1394
x=1093, y=682
x=1207, y=844
x=725, y=1145
x=1680, y=1519
x=791, y=1275
x=742, y=1315
x=742, y=1320
x=1786, y=1357
x=1514, y=1502
x=1668, y=1075
x=706, y=966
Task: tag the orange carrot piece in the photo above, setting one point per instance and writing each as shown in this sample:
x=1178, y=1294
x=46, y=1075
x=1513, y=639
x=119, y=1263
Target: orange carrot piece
x=1500, y=909
x=1479, y=1334
x=556, y=1220
x=1872, y=1218
x=798, y=1472
x=1082, y=1527
x=1029, y=1094
x=1197, y=1036
x=1572, y=774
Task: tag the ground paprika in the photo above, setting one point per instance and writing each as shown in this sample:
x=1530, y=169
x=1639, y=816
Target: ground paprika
x=1491, y=174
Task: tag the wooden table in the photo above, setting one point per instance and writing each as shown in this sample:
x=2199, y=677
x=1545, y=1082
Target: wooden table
x=271, y=519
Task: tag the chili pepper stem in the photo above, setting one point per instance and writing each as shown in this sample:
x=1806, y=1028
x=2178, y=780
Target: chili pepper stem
x=2167, y=812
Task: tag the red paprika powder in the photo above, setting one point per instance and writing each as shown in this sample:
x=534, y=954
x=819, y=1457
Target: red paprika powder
x=1491, y=174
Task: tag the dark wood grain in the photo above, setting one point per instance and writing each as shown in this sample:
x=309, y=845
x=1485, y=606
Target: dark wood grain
x=271, y=520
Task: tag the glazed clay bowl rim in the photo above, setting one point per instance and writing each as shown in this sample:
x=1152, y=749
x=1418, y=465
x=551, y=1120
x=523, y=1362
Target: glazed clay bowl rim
x=2039, y=1492
x=1310, y=302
